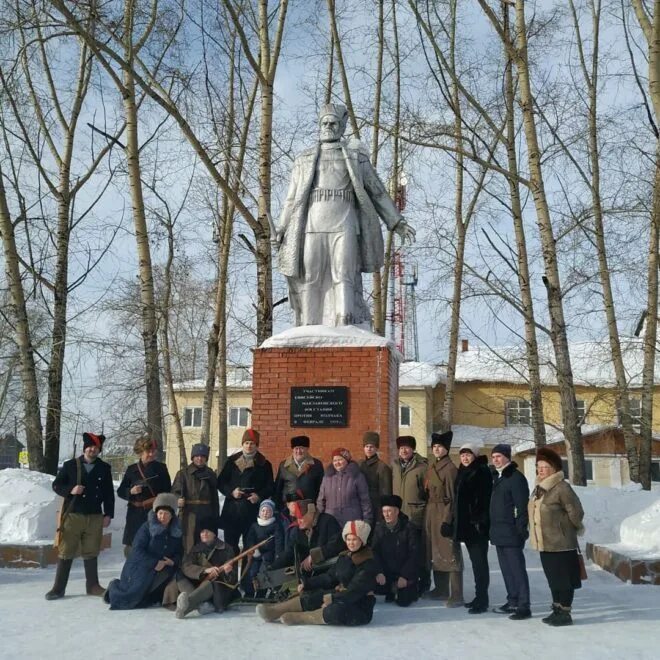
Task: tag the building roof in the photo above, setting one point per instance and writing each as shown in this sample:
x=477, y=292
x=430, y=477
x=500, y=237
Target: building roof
x=238, y=378
x=421, y=374
x=591, y=363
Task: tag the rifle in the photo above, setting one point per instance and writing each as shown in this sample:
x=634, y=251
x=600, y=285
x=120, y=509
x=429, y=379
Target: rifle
x=240, y=556
x=143, y=482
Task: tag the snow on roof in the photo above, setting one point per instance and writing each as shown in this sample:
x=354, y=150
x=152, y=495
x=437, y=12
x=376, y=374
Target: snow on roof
x=321, y=336
x=421, y=374
x=238, y=378
x=591, y=363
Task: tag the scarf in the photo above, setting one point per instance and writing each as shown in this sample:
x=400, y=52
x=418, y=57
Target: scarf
x=266, y=523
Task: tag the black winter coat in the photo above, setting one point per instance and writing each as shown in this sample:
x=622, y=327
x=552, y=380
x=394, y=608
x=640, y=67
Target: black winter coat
x=140, y=505
x=258, y=533
x=239, y=514
x=151, y=543
x=324, y=543
x=99, y=493
x=355, y=574
x=472, y=492
x=290, y=480
x=508, y=508
x=397, y=549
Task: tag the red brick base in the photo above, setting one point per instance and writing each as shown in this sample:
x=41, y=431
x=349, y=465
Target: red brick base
x=371, y=374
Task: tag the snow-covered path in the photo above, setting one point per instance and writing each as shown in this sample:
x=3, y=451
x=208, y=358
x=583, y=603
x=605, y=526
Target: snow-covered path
x=612, y=620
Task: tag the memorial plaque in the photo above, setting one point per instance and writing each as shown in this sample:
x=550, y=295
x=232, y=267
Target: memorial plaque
x=319, y=406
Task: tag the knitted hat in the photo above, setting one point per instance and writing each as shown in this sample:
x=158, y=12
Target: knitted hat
x=471, y=447
x=93, y=440
x=391, y=500
x=502, y=449
x=200, y=450
x=208, y=523
x=343, y=452
x=269, y=504
x=550, y=456
x=250, y=434
x=166, y=501
x=300, y=441
x=406, y=441
x=443, y=439
x=358, y=528
x=371, y=438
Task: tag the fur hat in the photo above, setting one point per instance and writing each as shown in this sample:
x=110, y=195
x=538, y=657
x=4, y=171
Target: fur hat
x=210, y=523
x=250, y=434
x=144, y=443
x=371, y=438
x=343, y=452
x=269, y=504
x=550, y=456
x=406, y=441
x=299, y=508
x=300, y=441
x=166, y=501
x=502, y=449
x=336, y=110
x=443, y=439
x=391, y=500
x=93, y=440
x=472, y=447
x=200, y=450
x=359, y=528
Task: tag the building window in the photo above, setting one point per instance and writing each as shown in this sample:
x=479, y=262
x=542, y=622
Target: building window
x=635, y=413
x=192, y=417
x=588, y=468
x=404, y=415
x=655, y=471
x=518, y=412
x=581, y=410
x=239, y=416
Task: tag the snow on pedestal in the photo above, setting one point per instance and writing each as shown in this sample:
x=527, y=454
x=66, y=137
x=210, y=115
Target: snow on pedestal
x=321, y=336
x=28, y=507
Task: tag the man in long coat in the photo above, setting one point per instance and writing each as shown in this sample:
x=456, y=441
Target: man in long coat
x=329, y=229
x=445, y=553
x=377, y=473
x=299, y=473
x=196, y=486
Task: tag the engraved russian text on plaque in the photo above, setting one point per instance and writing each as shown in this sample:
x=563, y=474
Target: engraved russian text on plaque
x=323, y=406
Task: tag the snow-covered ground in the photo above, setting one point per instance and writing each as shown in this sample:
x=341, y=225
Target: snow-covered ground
x=612, y=619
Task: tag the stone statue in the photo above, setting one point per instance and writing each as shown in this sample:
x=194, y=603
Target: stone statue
x=329, y=230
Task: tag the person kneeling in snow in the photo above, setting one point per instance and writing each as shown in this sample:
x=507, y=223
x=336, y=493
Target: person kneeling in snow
x=156, y=554
x=207, y=577
x=343, y=596
x=266, y=525
x=396, y=547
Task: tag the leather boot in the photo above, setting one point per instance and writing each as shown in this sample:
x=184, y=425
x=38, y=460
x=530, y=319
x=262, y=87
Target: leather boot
x=313, y=618
x=187, y=602
x=61, y=578
x=441, y=590
x=276, y=610
x=456, y=589
x=92, y=578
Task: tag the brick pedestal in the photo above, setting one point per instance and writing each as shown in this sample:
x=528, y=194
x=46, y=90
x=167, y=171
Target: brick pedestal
x=371, y=374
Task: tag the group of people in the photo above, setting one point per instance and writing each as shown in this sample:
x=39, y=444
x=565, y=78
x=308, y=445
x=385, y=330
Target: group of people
x=376, y=529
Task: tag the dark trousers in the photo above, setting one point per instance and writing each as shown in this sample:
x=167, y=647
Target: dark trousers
x=514, y=572
x=402, y=597
x=478, y=551
x=358, y=613
x=563, y=597
x=233, y=535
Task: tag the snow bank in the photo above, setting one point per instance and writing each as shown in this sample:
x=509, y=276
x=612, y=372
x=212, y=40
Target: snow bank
x=28, y=507
x=640, y=533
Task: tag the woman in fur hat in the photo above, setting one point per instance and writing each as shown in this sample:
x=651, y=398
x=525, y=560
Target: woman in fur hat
x=343, y=596
x=555, y=520
x=154, y=559
x=141, y=483
x=344, y=491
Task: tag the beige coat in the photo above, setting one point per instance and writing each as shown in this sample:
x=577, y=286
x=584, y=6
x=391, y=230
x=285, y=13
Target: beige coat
x=445, y=553
x=408, y=484
x=555, y=515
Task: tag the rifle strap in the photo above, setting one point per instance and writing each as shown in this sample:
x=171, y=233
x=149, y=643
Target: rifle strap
x=151, y=490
